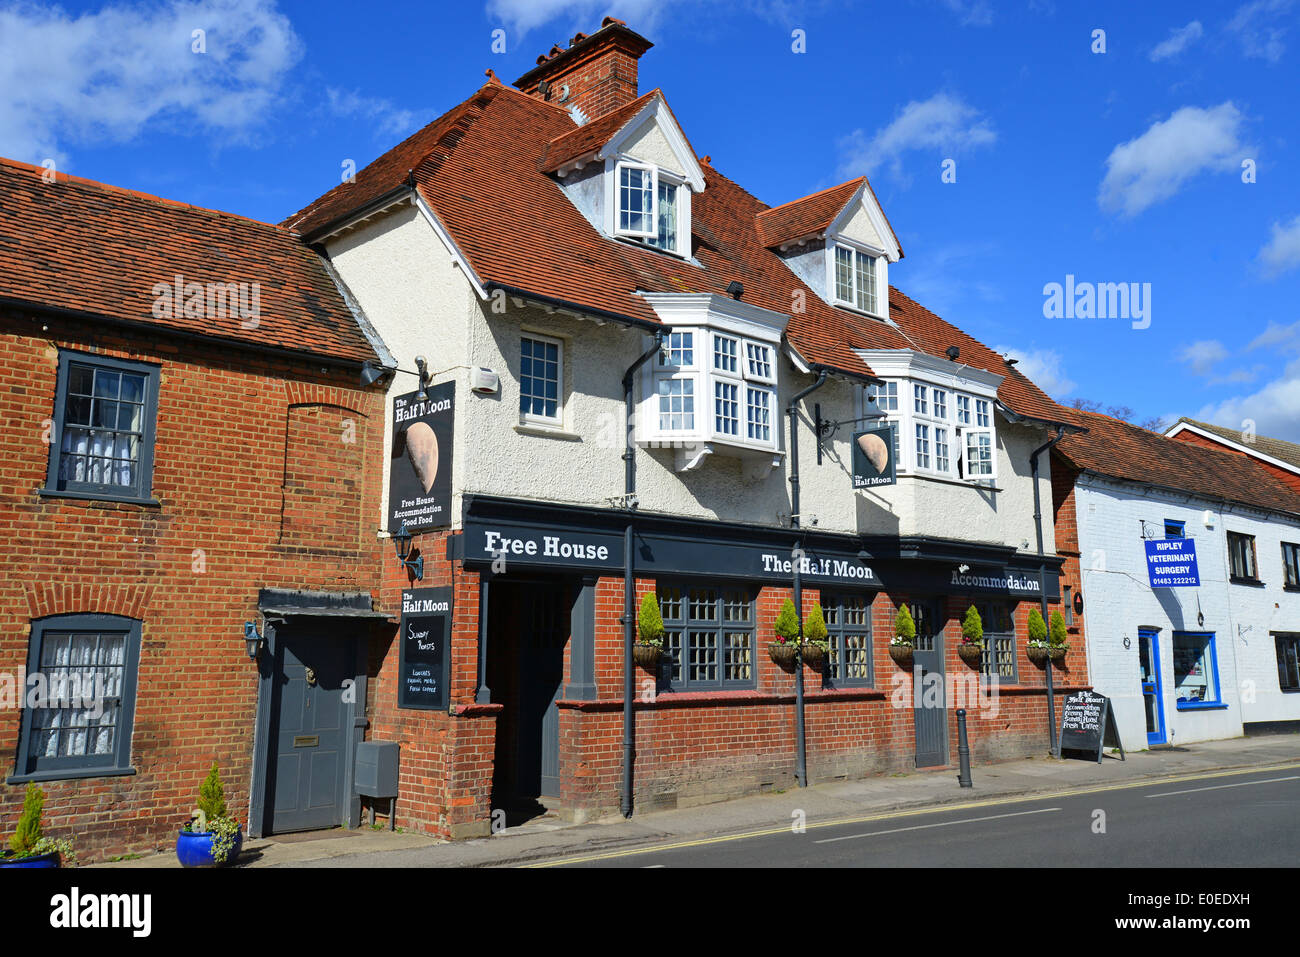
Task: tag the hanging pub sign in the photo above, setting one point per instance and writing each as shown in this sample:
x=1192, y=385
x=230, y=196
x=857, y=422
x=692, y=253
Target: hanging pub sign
x=419, y=474
x=873, y=458
x=1171, y=563
x=423, y=645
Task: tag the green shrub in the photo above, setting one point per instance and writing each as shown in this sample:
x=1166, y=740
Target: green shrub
x=904, y=626
x=649, y=623
x=1058, y=628
x=787, y=622
x=28, y=834
x=1037, y=627
x=972, y=628
x=814, y=631
x=212, y=795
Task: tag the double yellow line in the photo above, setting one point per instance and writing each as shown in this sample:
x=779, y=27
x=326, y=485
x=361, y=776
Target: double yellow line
x=890, y=815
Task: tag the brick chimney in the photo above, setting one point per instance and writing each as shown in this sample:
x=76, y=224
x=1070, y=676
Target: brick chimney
x=599, y=70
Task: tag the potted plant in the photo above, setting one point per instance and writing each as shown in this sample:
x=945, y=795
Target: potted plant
x=900, y=649
x=1037, y=647
x=211, y=838
x=815, y=644
x=28, y=847
x=1057, y=646
x=650, y=630
x=786, y=647
x=971, y=649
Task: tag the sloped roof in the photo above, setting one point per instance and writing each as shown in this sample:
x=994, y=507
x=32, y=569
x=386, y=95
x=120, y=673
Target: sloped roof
x=805, y=216
x=480, y=169
x=1279, y=449
x=1125, y=451
x=78, y=245
x=593, y=135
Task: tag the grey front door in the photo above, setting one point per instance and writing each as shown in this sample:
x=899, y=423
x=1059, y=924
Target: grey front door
x=310, y=725
x=931, y=707
x=541, y=661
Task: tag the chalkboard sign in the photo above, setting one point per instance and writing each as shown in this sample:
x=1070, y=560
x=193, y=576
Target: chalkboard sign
x=1088, y=726
x=424, y=642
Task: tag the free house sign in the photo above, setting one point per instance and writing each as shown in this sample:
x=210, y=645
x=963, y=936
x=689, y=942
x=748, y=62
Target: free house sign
x=419, y=474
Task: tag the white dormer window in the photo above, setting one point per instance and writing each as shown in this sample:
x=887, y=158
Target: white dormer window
x=855, y=279
x=651, y=205
x=638, y=200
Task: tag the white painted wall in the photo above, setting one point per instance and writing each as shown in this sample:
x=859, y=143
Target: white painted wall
x=1118, y=601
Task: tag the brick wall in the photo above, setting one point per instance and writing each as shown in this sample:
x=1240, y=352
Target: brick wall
x=260, y=479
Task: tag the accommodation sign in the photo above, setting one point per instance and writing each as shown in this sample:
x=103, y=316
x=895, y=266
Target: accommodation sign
x=419, y=474
x=873, y=458
x=424, y=643
x=1171, y=562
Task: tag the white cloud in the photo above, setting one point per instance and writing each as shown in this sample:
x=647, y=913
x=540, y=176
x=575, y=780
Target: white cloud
x=104, y=76
x=1154, y=166
x=390, y=120
x=1179, y=39
x=1203, y=355
x=972, y=13
x=943, y=124
x=521, y=17
x=1274, y=334
x=1275, y=408
x=1042, y=367
x=1282, y=252
x=1257, y=27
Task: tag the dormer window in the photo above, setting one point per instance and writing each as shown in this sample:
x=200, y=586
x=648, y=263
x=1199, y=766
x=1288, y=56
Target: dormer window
x=652, y=206
x=638, y=199
x=855, y=279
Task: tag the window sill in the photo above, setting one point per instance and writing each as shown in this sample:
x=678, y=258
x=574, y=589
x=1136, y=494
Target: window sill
x=1201, y=706
x=1295, y=588
x=547, y=432
x=1253, y=582
x=98, y=497
x=986, y=484
x=69, y=774
x=850, y=307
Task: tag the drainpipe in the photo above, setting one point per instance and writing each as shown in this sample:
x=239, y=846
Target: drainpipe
x=801, y=744
x=1042, y=576
x=629, y=583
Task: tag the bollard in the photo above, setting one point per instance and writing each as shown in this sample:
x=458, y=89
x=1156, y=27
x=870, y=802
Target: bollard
x=963, y=750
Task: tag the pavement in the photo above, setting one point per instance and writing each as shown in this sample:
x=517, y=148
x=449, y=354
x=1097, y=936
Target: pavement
x=545, y=839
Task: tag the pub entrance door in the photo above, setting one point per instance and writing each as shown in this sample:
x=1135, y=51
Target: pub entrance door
x=528, y=628
x=929, y=702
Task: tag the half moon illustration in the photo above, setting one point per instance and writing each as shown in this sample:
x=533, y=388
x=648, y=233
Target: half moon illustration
x=876, y=451
x=422, y=450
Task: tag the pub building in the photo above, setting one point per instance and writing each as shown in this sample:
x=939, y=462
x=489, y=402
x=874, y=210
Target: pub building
x=617, y=374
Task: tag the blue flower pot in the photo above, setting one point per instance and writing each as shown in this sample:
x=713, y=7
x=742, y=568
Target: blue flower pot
x=194, y=849
x=38, y=860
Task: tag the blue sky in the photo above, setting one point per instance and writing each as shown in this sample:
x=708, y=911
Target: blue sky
x=1115, y=166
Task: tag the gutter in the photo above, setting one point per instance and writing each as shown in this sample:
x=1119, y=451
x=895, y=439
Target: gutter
x=633, y=321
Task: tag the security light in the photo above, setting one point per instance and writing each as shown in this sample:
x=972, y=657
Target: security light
x=735, y=290
x=952, y=352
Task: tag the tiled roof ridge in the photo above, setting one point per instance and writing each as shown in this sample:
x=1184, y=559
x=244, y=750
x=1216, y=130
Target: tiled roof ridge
x=1224, y=431
x=67, y=179
x=495, y=82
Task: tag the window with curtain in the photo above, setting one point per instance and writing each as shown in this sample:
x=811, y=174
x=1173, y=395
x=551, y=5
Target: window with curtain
x=848, y=630
x=708, y=636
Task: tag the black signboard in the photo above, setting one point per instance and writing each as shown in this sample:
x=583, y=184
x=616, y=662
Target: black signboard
x=419, y=474
x=424, y=645
x=1088, y=726
x=873, y=458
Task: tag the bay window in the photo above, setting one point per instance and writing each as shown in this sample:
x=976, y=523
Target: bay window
x=945, y=433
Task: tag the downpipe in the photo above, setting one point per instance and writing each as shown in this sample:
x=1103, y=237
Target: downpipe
x=1042, y=579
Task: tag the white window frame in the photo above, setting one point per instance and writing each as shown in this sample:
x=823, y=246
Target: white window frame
x=856, y=253
x=618, y=230
x=905, y=418
x=532, y=418
x=681, y=247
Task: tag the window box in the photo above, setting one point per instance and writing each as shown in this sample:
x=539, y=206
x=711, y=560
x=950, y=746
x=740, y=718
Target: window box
x=105, y=422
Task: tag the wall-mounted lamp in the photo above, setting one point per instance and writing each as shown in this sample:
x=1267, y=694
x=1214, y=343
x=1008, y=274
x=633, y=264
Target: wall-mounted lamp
x=402, y=542
x=963, y=569
x=254, y=642
x=952, y=352
x=735, y=290
x=372, y=372
x=1078, y=604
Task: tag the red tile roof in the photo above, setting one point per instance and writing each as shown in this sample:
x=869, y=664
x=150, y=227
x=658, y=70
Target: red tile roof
x=805, y=216
x=479, y=168
x=1125, y=451
x=75, y=244
x=592, y=136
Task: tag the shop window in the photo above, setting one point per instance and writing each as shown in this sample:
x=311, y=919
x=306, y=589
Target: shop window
x=1241, y=557
x=1291, y=565
x=999, y=641
x=105, y=416
x=82, y=726
x=1288, y=661
x=848, y=627
x=708, y=637
x=1196, y=670
x=541, y=379
x=1174, y=528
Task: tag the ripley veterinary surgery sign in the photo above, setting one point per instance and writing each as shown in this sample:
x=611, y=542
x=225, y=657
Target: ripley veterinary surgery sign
x=1171, y=563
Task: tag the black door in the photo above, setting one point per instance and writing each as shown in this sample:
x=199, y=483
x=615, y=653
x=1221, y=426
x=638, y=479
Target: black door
x=931, y=707
x=529, y=627
x=310, y=733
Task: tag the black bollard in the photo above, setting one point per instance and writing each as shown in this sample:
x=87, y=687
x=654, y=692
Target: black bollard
x=963, y=750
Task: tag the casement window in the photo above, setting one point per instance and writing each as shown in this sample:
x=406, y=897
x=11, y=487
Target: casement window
x=541, y=380
x=979, y=454
x=1196, y=670
x=105, y=421
x=922, y=447
x=855, y=279
x=1288, y=662
x=848, y=630
x=999, y=641
x=758, y=415
x=724, y=354
x=963, y=410
x=708, y=637
x=668, y=234
x=80, y=725
x=1291, y=565
x=637, y=198
x=945, y=433
x=1241, y=558
x=677, y=405
x=1174, y=528
x=649, y=205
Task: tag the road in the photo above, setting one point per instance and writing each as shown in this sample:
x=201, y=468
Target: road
x=1219, y=820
